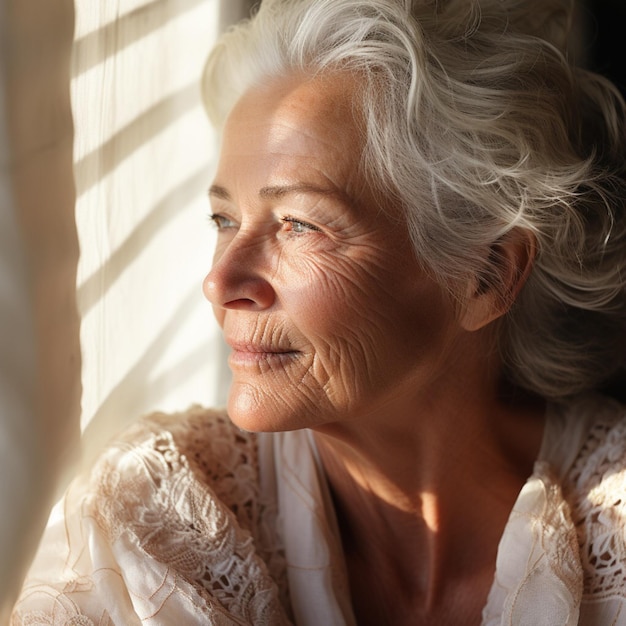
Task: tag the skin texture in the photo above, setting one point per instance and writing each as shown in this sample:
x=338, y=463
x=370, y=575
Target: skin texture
x=335, y=326
x=345, y=296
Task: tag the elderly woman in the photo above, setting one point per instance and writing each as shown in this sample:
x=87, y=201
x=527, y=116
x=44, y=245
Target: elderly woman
x=420, y=271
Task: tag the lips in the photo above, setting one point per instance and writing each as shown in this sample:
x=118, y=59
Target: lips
x=244, y=353
x=242, y=346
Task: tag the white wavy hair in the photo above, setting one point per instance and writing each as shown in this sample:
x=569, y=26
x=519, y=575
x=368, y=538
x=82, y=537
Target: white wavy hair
x=476, y=124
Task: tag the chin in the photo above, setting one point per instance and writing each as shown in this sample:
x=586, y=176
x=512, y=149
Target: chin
x=254, y=412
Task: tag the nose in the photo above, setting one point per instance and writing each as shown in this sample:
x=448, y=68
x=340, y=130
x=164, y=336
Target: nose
x=238, y=278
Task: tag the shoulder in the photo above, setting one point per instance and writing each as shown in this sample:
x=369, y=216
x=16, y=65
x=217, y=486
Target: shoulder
x=200, y=443
x=204, y=439
x=197, y=456
x=169, y=517
x=595, y=488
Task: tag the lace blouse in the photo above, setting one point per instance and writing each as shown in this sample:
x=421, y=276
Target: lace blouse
x=187, y=520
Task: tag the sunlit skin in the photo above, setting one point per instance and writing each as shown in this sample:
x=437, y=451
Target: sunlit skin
x=334, y=325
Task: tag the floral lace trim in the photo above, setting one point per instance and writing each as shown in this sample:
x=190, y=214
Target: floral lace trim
x=226, y=458
x=200, y=512
x=538, y=575
x=182, y=491
x=39, y=618
x=596, y=487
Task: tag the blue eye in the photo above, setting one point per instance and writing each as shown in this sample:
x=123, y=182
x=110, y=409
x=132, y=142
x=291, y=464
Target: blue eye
x=221, y=221
x=299, y=227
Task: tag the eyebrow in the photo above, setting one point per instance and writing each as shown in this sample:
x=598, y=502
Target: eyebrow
x=219, y=192
x=278, y=191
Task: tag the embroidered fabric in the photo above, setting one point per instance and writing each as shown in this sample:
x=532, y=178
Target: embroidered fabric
x=597, y=493
x=217, y=474
x=538, y=573
x=177, y=527
x=200, y=513
x=562, y=557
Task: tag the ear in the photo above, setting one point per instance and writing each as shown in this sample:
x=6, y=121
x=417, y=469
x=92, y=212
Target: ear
x=491, y=295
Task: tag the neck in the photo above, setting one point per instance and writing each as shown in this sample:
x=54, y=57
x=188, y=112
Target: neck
x=404, y=478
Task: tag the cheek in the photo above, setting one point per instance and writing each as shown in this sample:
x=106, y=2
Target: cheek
x=364, y=314
x=344, y=310
x=327, y=292
x=340, y=292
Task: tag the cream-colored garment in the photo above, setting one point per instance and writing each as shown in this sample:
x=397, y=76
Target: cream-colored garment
x=188, y=520
x=562, y=556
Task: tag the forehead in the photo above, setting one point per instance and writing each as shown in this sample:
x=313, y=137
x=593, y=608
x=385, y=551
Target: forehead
x=295, y=123
x=323, y=102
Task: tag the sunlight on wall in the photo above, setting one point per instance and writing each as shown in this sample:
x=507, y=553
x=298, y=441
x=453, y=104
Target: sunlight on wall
x=144, y=156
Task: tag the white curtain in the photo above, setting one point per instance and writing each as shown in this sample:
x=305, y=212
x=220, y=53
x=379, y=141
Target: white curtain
x=144, y=155
x=126, y=184
x=39, y=351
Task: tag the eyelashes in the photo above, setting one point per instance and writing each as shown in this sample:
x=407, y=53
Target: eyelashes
x=220, y=221
x=298, y=226
x=293, y=225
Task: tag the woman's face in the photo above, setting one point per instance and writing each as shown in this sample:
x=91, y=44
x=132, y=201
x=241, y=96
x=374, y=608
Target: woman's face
x=328, y=313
